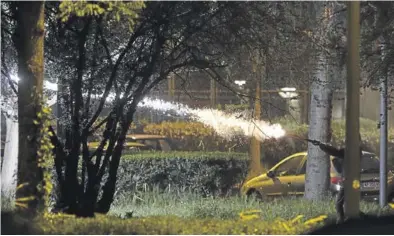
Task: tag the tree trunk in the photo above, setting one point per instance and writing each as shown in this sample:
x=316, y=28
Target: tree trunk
x=29, y=42
x=10, y=163
x=106, y=200
x=317, y=179
x=213, y=93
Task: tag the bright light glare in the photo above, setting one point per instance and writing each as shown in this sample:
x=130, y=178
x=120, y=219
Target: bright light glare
x=47, y=85
x=226, y=125
x=288, y=92
x=240, y=82
x=288, y=89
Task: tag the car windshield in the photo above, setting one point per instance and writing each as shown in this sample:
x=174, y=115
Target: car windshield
x=369, y=163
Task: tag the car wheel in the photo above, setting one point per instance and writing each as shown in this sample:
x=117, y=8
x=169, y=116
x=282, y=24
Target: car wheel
x=254, y=194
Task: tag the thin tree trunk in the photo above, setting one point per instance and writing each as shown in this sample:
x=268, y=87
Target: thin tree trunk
x=71, y=173
x=29, y=42
x=106, y=200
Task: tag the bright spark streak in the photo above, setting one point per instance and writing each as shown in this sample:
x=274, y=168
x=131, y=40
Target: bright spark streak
x=225, y=125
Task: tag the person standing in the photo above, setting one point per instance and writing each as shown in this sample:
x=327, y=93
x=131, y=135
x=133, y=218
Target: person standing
x=339, y=156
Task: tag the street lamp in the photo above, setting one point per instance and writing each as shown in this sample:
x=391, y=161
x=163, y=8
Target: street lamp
x=288, y=92
x=290, y=95
x=240, y=82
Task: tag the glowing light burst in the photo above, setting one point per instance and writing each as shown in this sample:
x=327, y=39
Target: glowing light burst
x=225, y=125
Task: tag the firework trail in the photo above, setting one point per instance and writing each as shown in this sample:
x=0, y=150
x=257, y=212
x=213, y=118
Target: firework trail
x=224, y=124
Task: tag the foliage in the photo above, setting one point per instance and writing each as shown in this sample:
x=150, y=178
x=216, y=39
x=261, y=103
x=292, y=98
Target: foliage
x=205, y=173
x=169, y=213
x=108, y=59
x=236, y=107
x=174, y=226
x=83, y=8
x=44, y=152
x=194, y=136
x=44, y=156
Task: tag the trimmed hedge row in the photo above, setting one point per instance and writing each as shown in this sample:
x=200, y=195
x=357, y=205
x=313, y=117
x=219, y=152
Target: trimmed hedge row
x=205, y=173
x=194, y=136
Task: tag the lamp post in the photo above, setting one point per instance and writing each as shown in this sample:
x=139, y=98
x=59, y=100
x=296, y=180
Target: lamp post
x=255, y=146
x=352, y=151
x=383, y=135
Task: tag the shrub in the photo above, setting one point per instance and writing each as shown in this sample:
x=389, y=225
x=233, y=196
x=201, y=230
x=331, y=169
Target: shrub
x=201, y=172
x=194, y=136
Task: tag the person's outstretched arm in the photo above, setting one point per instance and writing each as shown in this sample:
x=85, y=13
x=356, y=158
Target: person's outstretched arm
x=330, y=150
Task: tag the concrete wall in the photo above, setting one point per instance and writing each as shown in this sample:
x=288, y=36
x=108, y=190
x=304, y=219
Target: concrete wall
x=370, y=106
x=338, y=105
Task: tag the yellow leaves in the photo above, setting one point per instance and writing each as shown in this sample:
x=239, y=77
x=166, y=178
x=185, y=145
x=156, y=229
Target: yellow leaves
x=297, y=219
x=391, y=205
x=82, y=8
x=21, y=186
x=44, y=151
x=21, y=205
x=315, y=220
x=167, y=225
x=46, y=110
x=290, y=226
x=250, y=215
x=25, y=199
x=22, y=202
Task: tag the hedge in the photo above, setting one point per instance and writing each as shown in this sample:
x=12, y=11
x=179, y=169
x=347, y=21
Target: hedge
x=194, y=136
x=205, y=173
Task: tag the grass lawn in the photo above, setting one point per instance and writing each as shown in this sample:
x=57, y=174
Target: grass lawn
x=188, y=213
x=189, y=205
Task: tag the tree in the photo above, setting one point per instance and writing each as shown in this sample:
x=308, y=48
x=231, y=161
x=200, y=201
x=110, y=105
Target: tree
x=318, y=163
x=29, y=43
x=103, y=57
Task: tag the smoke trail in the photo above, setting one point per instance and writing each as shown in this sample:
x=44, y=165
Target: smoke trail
x=225, y=125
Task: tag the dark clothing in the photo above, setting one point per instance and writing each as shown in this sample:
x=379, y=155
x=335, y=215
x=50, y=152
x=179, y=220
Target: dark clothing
x=338, y=154
x=339, y=205
x=339, y=157
x=330, y=150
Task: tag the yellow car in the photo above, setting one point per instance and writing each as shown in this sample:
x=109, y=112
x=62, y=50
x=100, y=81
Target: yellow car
x=287, y=178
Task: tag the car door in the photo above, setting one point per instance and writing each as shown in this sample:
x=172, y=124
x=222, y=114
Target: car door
x=297, y=183
x=284, y=174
